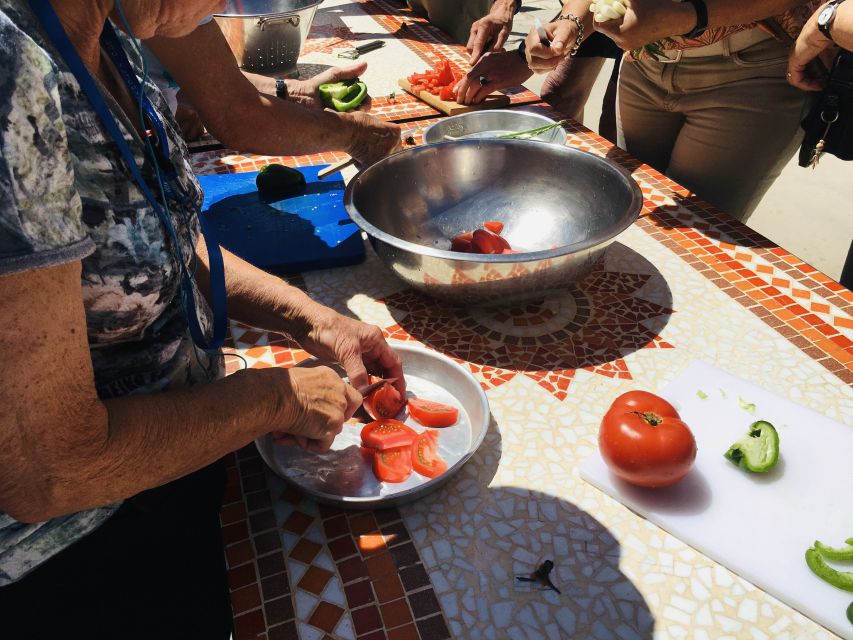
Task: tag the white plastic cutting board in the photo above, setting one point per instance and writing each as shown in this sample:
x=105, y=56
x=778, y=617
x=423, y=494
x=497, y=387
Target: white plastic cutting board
x=757, y=525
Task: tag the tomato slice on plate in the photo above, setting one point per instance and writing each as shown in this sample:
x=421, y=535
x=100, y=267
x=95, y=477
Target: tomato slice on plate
x=393, y=465
x=425, y=458
x=387, y=434
x=432, y=414
x=495, y=226
x=384, y=402
x=488, y=242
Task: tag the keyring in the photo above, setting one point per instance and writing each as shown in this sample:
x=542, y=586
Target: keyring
x=483, y=80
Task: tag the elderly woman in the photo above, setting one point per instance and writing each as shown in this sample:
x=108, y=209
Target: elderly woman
x=111, y=418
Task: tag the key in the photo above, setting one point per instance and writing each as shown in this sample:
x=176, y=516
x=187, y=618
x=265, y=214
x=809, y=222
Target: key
x=817, y=152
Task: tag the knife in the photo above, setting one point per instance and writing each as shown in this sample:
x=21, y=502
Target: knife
x=373, y=386
x=355, y=53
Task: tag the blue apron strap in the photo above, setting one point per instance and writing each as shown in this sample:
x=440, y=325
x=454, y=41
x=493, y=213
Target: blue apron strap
x=54, y=30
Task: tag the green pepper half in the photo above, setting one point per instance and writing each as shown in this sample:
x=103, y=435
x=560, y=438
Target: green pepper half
x=758, y=450
x=841, y=579
x=345, y=95
x=835, y=553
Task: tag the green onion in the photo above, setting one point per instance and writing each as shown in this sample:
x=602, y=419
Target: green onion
x=530, y=133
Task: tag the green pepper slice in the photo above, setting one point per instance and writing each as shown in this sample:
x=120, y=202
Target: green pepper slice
x=835, y=553
x=841, y=579
x=850, y=613
x=758, y=450
x=343, y=96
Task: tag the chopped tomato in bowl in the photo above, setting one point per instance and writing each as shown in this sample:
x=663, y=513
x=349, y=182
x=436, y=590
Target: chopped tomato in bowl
x=432, y=414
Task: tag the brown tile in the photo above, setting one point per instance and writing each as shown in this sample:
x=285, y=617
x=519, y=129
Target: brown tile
x=239, y=553
x=385, y=516
x=261, y=521
x=235, y=532
x=366, y=619
x=363, y=523
x=352, y=569
x=373, y=635
x=358, y=594
x=424, y=603
x=433, y=628
x=395, y=614
x=267, y=542
x=245, y=599
x=268, y=565
x=232, y=494
x=254, y=483
x=286, y=631
x=336, y=527
x=371, y=543
x=395, y=533
x=305, y=550
x=279, y=610
x=342, y=548
x=380, y=565
x=297, y=522
x=409, y=632
x=249, y=624
x=388, y=588
x=241, y=576
x=315, y=580
x=275, y=586
x=326, y=616
x=405, y=555
x=257, y=501
x=414, y=577
x=327, y=511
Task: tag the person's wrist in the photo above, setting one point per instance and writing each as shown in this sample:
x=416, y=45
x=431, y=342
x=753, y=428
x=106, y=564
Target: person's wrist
x=692, y=17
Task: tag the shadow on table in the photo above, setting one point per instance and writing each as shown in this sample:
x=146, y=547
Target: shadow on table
x=619, y=308
x=330, y=23
x=735, y=232
x=491, y=534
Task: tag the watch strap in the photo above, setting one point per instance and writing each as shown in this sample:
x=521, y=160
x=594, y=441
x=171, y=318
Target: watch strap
x=280, y=89
x=701, y=19
x=826, y=27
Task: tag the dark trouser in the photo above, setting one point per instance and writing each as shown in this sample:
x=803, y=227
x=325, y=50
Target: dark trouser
x=156, y=569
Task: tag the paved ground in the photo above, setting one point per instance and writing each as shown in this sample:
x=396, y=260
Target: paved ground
x=810, y=213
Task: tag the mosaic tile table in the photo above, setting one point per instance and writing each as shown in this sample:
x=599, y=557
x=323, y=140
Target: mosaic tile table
x=685, y=282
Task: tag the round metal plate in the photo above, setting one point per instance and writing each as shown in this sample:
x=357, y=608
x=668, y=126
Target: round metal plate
x=343, y=477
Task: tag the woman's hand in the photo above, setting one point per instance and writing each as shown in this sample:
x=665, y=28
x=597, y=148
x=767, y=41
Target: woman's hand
x=306, y=93
x=811, y=56
x=371, y=139
x=499, y=70
x=542, y=57
x=647, y=21
x=358, y=347
x=490, y=32
x=316, y=404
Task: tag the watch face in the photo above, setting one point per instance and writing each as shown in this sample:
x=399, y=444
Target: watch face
x=825, y=15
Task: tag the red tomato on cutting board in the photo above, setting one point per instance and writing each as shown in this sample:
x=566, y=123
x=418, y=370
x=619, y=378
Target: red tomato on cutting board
x=643, y=440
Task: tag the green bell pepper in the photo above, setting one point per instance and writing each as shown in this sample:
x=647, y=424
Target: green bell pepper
x=835, y=553
x=758, y=450
x=850, y=613
x=345, y=95
x=275, y=182
x=841, y=579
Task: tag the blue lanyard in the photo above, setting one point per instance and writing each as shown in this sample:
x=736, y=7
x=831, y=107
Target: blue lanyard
x=56, y=33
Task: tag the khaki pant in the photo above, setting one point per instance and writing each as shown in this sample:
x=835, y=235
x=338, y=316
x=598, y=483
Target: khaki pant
x=723, y=126
x=454, y=17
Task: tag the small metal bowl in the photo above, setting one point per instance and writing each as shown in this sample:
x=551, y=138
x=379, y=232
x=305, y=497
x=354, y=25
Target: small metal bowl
x=561, y=207
x=491, y=124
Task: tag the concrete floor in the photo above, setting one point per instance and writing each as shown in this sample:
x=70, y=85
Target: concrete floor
x=808, y=212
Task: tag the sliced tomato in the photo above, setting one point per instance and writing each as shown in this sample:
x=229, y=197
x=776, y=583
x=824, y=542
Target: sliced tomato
x=393, y=465
x=447, y=93
x=462, y=242
x=425, y=458
x=432, y=414
x=384, y=402
x=445, y=73
x=387, y=434
x=495, y=226
x=488, y=242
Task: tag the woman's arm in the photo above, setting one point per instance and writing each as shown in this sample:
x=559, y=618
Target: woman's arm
x=65, y=450
x=812, y=45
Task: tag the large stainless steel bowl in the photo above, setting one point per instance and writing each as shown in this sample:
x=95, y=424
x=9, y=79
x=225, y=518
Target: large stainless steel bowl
x=560, y=206
x=491, y=124
x=266, y=36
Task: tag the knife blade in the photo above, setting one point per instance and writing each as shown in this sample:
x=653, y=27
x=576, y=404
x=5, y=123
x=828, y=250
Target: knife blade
x=373, y=386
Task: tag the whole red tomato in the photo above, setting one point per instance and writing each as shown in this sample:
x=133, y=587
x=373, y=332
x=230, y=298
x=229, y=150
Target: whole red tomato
x=643, y=440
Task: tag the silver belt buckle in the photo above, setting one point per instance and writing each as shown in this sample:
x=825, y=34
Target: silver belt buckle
x=668, y=60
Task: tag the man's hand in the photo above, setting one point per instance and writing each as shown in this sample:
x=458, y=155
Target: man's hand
x=500, y=69
x=490, y=32
x=371, y=139
x=306, y=94
x=358, y=347
x=316, y=404
x=647, y=21
x=811, y=56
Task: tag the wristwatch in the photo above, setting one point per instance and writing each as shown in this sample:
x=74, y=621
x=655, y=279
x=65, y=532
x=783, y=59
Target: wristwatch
x=280, y=89
x=701, y=19
x=827, y=17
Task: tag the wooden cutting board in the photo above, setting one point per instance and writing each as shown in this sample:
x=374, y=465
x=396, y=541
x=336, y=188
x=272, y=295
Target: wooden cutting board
x=493, y=101
x=759, y=526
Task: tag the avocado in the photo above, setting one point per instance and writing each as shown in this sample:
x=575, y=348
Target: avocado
x=275, y=181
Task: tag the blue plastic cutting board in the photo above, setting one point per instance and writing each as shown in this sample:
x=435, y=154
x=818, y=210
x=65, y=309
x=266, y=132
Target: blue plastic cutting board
x=311, y=231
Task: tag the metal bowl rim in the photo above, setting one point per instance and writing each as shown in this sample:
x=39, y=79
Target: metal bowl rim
x=544, y=118
x=377, y=234
x=276, y=14
x=433, y=483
